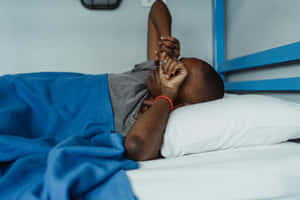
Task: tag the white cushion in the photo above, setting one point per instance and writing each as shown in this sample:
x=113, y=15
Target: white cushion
x=231, y=122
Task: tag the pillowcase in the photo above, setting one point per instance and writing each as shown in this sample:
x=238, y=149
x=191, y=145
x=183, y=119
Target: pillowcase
x=231, y=122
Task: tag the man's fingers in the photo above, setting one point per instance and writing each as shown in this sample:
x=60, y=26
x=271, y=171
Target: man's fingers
x=181, y=75
x=171, y=68
x=165, y=49
x=162, y=56
x=169, y=44
x=161, y=72
x=167, y=67
x=169, y=38
x=165, y=61
x=169, y=52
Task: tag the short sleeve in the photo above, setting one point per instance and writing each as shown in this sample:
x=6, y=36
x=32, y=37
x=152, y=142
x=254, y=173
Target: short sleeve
x=127, y=93
x=145, y=66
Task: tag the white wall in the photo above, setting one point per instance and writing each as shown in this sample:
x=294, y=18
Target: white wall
x=256, y=25
x=61, y=35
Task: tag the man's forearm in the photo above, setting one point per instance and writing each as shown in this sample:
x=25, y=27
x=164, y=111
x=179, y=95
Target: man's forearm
x=161, y=18
x=146, y=136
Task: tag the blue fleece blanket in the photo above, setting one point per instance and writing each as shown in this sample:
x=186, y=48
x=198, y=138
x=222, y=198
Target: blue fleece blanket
x=57, y=139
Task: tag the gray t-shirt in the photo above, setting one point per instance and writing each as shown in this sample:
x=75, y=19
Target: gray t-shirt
x=127, y=93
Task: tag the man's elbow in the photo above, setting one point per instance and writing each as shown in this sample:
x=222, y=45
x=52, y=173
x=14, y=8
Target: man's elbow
x=159, y=9
x=134, y=147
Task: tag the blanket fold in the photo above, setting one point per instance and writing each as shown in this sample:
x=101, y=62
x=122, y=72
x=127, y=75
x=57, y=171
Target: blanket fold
x=57, y=139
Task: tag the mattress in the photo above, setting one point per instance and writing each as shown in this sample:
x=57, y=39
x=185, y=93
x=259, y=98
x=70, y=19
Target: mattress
x=264, y=172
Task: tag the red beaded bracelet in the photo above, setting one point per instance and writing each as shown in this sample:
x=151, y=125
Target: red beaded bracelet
x=166, y=98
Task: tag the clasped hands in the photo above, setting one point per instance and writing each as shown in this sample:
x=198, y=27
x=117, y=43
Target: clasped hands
x=172, y=72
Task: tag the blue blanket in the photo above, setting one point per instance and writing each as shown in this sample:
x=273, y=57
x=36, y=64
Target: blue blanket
x=57, y=139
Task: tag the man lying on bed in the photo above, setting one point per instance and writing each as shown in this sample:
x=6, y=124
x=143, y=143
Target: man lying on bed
x=59, y=131
x=186, y=81
x=60, y=105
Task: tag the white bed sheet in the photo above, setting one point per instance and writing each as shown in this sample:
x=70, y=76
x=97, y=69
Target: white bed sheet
x=265, y=172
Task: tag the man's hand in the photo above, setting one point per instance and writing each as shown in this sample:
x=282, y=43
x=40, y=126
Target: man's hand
x=172, y=74
x=170, y=45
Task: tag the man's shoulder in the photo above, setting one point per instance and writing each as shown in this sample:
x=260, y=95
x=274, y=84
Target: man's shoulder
x=148, y=65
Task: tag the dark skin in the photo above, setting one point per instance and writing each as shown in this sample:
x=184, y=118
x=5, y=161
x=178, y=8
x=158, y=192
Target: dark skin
x=173, y=78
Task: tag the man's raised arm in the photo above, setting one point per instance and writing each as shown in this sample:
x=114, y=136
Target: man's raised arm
x=161, y=18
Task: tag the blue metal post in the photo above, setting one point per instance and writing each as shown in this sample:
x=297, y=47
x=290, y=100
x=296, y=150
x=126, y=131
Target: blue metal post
x=218, y=34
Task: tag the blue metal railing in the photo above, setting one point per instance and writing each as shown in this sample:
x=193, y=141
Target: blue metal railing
x=280, y=54
x=284, y=84
x=290, y=52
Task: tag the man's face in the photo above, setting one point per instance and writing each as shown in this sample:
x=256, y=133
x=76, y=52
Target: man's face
x=153, y=86
x=153, y=82
x=186, y=92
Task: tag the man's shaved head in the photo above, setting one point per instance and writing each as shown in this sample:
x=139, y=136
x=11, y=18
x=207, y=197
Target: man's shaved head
x=202, y=84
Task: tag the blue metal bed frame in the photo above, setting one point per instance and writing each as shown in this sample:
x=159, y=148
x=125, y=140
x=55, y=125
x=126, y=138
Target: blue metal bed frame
x=290, y=52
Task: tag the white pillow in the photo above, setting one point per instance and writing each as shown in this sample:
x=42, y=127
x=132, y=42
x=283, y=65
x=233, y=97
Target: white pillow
x=230, y=122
